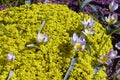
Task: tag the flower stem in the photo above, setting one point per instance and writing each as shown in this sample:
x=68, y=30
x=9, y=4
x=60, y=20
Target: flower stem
x=10, y=75
x=107, y=39
x=42, y=26
x=74, y=59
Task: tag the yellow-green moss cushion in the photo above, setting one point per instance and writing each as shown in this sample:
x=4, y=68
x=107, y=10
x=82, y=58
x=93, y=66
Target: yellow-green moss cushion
x=52, y=59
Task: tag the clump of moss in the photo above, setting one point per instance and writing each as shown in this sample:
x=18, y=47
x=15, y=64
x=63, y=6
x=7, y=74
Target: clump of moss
x=52, y=59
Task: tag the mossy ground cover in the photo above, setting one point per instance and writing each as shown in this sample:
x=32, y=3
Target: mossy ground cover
x=50, y=60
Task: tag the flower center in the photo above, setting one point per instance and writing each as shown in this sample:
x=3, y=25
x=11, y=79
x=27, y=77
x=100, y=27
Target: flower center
x=104, y=59
x=111, y=20
x=78, y=45
x=88, y=33
x=40, y=38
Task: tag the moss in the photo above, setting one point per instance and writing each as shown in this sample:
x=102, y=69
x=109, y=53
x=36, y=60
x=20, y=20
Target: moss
x=52, y=59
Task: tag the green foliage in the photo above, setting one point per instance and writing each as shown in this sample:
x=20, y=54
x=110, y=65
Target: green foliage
x=83, y=4
x=110, y=28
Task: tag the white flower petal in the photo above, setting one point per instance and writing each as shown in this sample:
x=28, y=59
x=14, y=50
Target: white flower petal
x=83, y=47
x=113, y=53
x=89, y=23
x=81, y=40
x=115, y=17
x=106, y=19
x=109, y=62
x=89, y=20
x=10, y=56
x=42, y=37
x=92, y=32
x=84, y=23
x=39, y=37
x=88, y=32
x=85, y=32
x=74, y=38
x=31, y=45
x=117, y=45
x=113, y=6
x=46, y=39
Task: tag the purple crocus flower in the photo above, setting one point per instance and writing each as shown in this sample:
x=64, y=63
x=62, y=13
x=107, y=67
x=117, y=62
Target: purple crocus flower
x=106, y=59
x=88, y=27
x=117, y=45
x=111, y=19
x=89, y=23
x=88, y=32
x=113, y=6
x=112, y=54
x=42, y=37
x=79, y=42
